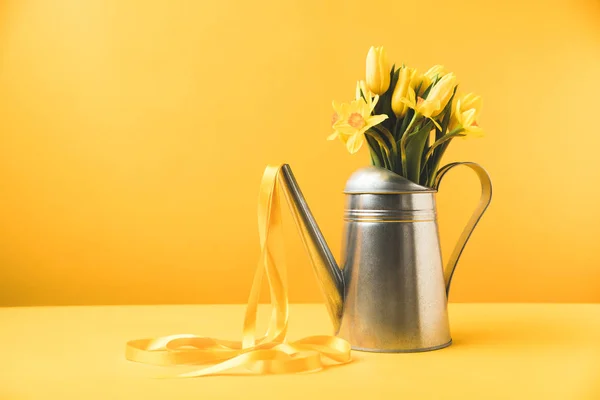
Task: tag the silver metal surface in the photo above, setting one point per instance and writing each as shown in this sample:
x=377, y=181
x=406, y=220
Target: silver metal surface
x=376, y=180
x=392, y=283
x=328, y=274
x=395, y=298
x=484, y=202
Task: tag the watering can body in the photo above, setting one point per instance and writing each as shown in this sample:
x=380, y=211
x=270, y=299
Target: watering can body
x=390, y=292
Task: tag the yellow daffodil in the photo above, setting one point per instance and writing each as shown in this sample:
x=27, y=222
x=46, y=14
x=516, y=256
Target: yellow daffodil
x=340, y=113
x=405, y=78
x=442, y=91
x=464, y=116
x=352, y=120
x=378, y=70
x=424, y=107
x=341, y=110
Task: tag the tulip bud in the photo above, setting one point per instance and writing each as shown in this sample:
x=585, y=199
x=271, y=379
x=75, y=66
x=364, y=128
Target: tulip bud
x=465, y=114
x=470, y=101
x=361, y=90
x=378, y=70
x=405, y=77
x=435, y=71
x=420, y=83
x=442, y=90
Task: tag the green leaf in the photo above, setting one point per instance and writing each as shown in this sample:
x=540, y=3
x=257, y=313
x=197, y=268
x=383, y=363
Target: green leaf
x=386, y=161
x=430, y=153
x=393, y=80
x=375, y=150
x=385, y=145
x=418, y=88
x=435, y=161
x=389, y=138
x=426, y=92
x=397, y=126
x=414, y=151
x=410, y=113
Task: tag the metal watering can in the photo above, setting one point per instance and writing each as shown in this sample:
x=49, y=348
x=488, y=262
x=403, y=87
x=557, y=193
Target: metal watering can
x=391, y=292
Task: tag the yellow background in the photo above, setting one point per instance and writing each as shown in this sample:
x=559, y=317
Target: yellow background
x=133, y=136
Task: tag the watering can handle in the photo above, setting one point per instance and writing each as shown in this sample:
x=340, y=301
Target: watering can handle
x=484, y=202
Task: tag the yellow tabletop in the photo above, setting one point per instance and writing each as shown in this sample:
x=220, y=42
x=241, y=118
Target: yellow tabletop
x=500, y=351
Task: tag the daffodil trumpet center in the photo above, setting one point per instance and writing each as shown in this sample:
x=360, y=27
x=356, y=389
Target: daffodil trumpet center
x=356, y=121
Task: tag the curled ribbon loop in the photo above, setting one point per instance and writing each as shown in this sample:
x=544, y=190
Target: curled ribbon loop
x=270, y=354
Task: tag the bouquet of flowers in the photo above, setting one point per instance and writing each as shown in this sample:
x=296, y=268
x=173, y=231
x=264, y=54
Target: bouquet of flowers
x=408, y=119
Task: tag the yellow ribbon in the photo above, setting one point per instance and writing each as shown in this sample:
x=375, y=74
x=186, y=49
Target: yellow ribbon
x=270, y=353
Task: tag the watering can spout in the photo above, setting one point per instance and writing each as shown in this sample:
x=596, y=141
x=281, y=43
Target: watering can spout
x=326, y=269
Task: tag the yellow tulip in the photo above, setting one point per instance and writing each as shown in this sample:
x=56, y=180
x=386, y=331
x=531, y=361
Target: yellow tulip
x=435, y=71
x=420, y=83
x=423, y=81
x=378, y=70
x=470, y=100
x=363, y=92
x=442, y=91
x=405, y=78
x=465, y=114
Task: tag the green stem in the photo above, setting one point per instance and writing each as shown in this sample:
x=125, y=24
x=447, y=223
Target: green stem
x=404, y=140
x=388, y=136
x=372, y=156
x=436, y=163
x=381, y=145
x=410, y=113
x=394, y=147
x=441, y=141
x=375, y=151
x=435, y=153
x=386, y=163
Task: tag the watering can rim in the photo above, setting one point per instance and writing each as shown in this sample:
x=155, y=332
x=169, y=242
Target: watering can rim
x=375, y=180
